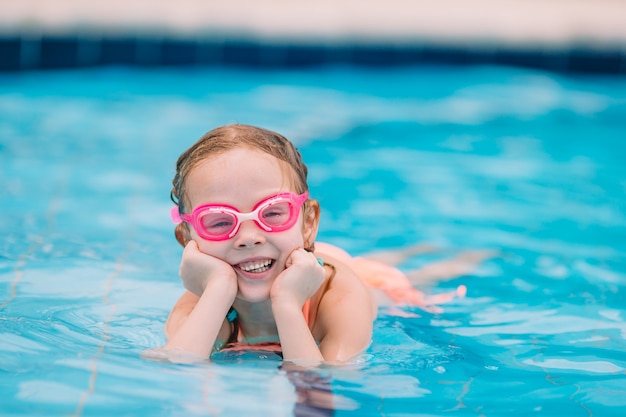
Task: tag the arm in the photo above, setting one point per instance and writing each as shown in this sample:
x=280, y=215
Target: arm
x=296, y=340
x=302, y=277
x=195, y=329
x=344, y=321
x=447, y=269
x=180, y=312
x=197, y=320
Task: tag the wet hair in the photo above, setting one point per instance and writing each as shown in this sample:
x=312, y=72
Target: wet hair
x=226, y=138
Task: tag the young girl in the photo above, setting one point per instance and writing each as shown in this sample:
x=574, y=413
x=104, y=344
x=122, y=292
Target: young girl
x=255, y=277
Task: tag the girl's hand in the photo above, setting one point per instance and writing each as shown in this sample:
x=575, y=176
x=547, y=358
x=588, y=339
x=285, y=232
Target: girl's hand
x=197, y=269
x=302, y=277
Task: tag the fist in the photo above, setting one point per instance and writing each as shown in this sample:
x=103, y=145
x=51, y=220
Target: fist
x=197, y=269
x=302, y=277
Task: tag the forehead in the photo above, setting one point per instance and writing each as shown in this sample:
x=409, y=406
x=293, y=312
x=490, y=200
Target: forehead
x=237, y=177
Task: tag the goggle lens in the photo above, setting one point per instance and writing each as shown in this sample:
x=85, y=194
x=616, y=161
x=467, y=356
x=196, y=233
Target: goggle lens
x=217, y=224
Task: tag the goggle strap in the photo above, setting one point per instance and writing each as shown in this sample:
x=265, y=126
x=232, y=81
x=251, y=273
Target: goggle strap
x=175, y=215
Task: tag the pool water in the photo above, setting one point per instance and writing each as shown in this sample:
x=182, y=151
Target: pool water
x=527, y=164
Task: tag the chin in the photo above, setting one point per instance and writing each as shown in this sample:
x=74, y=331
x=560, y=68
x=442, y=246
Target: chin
x=254, y=295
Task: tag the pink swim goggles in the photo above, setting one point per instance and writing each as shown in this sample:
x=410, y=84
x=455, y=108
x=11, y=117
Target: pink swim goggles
x=219, y=222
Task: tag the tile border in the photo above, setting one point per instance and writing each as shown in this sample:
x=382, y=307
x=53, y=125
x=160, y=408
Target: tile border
x=48, y=52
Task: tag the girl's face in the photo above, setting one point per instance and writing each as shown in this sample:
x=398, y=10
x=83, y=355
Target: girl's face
x=241, y=178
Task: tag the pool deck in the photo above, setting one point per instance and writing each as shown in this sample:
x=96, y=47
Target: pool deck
x=536, y=23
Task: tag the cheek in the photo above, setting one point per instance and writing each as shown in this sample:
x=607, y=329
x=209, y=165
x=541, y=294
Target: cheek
x=210, y=248
x=292, y=239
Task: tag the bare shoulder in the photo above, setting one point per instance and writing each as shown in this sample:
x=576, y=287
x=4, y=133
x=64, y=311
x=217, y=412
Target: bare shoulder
x=345, y=281
x=327, y=250
x=346, y=312
x=345, y=291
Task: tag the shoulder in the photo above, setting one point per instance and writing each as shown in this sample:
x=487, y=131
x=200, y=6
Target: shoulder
x=346, y=311
x=345, y=296
x=343, y=279
x=327, y=250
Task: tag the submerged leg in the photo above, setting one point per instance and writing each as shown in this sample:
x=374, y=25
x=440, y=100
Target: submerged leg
x=398, y=288
x=447, y=269
x=398, y=256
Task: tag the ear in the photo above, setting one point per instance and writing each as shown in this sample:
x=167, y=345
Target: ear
x=310, y=224
x=182, y=234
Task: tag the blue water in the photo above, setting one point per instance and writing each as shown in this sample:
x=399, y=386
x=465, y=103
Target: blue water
x=528, y=164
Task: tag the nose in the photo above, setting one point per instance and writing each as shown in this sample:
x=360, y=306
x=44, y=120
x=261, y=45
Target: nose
x=249, y=235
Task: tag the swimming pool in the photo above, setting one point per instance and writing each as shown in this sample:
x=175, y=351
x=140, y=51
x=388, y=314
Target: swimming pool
x=524, y=162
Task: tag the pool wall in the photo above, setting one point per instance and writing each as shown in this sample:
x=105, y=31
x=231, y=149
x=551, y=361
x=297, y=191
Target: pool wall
x=574, y=36
x=26, y=52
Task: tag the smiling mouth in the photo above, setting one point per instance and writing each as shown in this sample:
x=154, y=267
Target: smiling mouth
x=256, y=267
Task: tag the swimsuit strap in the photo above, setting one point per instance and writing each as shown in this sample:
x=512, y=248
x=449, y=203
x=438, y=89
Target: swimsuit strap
x=233, y=320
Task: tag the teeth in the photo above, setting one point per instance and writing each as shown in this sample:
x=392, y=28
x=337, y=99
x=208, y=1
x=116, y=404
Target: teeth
x=260, y=266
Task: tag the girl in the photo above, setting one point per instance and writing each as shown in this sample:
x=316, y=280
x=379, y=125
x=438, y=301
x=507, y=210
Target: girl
x=254, y=277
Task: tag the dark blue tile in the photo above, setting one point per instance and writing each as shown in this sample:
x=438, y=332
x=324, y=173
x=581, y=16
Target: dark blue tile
x=376, y=56
x=305, y=55
x=58, y=52
x=580, y=60
x=179, y=52
x=520, y=57
x=148, y=52
x=10, y=53
x=49, y=52
x=241, y=53
x=118, y=51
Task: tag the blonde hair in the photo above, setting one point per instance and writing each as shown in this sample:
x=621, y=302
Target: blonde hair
x=225, y=138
